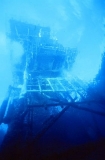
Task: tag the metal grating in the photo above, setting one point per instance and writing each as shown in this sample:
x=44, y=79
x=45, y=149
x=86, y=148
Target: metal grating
x=52, y=85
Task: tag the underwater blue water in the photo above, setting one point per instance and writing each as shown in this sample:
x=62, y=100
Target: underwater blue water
x=77, y=24
x=74, y=23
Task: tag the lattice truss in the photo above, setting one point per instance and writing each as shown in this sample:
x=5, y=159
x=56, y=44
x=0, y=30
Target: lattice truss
x=47, y=99
x=40, y=95
x=47, y=95
x=56, y=88
x=43, y=55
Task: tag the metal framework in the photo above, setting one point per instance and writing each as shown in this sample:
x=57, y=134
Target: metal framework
x=45, y=94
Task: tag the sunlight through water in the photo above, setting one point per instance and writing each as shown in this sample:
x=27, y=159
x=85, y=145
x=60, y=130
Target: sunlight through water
x=75, y=23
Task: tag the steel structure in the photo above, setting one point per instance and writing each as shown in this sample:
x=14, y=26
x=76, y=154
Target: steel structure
x=44, y=91
x=44, y=94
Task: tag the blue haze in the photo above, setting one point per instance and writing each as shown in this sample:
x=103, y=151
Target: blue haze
x=75, y=23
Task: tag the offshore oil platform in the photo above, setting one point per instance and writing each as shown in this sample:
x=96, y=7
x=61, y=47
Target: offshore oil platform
x=41, y=93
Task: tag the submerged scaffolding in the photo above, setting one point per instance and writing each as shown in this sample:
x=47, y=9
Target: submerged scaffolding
x=42, y=93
